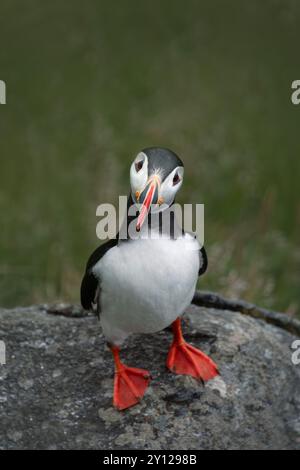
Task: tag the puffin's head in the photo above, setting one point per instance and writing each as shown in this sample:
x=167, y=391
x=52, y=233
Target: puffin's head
x=156, y=175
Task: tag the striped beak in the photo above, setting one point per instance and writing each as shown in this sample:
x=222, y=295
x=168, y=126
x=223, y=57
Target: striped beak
x=147, y=197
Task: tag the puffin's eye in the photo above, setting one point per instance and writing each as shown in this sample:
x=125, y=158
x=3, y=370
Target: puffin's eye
x=139, y=165
x=176, y=179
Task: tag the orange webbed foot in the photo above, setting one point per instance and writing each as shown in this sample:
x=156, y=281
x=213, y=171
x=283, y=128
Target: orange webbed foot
x=187, y=360
x=183, y=358
x=129, y=386
x=130, y=383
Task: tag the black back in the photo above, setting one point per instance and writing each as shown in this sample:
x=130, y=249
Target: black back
x=203, y=261
x=90, y=283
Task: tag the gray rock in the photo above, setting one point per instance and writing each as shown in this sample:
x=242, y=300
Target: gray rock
x=56, y=386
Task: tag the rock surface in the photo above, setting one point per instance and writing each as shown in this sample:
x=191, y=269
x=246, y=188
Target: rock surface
x=56, y=386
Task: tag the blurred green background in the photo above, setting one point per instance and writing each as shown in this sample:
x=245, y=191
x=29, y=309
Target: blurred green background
x=90, y=84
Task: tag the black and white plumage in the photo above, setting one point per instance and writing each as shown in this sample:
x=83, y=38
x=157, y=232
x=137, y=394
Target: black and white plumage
x=142, y=285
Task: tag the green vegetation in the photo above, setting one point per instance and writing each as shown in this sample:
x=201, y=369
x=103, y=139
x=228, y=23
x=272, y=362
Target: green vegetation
x=89, y=84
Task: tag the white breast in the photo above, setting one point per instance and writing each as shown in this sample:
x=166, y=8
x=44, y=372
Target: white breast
x=146, y=285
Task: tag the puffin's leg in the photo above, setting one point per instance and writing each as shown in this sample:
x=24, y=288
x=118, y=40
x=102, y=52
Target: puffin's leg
x=185, y=359
x=129, y=383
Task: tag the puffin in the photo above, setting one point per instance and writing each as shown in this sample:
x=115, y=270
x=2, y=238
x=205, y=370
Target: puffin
x=142, y=281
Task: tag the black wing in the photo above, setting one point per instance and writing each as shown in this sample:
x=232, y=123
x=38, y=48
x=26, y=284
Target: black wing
x=90, y=284
x=203, y=261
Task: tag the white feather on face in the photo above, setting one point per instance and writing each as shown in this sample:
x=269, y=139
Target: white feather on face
x=171, y=185
x=138, y=174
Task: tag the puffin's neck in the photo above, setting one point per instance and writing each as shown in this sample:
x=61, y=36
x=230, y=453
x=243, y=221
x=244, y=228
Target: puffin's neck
x=159, y=224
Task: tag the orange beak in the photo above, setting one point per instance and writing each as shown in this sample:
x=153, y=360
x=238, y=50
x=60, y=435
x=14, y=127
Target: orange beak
x=148, y=196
